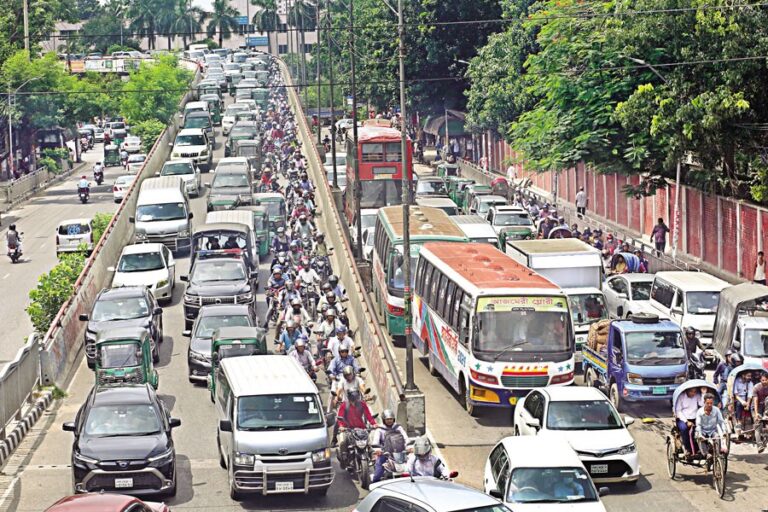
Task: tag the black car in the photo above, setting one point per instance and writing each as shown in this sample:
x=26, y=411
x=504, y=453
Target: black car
x=208, y=320
x=222, y=280
x=229, y=189
x=128, y=306
x=123, y=442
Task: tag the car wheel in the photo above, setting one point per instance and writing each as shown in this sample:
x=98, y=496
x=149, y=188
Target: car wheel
x=465, y=400
x=589, y=378
x=222, y=460
x=155, y=355
x=234, y=494
x=615, y=397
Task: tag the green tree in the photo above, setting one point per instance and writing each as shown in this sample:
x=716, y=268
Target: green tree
x=186, y=20
x=155, y=91
x=302, y=16
x=266, y=19
x=149, y=131
x=222, y=20
x=53, y=290
x=143, y=16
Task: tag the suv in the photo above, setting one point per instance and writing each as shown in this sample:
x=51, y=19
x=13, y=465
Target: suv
x=230, y=187
x=130, y=306
x=193, y=143
x=201, y=119
x=219, y=280
x=74, y=234
x=187, y=171
x=512, y=220
x=123, y=442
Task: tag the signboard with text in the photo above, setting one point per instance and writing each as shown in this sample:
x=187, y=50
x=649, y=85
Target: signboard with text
x=256, y=41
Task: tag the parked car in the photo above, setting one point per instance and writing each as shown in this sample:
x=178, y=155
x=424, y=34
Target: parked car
x=135, y=163
x=187, y=171
x=425, y=494
x=540, y=474
x=590, y=423
x=132, y=144
x=130, y=306
x=122, y=185
x=151, y=265
x=341, y=165
x=98, y=134
x=626, y=294
x=72, y=235
x=123, y=442
x=105, y=502
x=344, y=123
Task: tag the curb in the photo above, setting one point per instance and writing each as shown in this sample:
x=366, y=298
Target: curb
x=12, y=441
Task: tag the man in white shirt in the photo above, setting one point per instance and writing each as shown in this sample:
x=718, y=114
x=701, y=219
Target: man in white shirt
x=581, y=202
x=686, y=408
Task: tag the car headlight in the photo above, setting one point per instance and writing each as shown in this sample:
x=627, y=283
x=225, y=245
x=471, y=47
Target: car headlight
x=82, y=459
x=245, y=297
x=244, y=459
x=174, y=155
x=162, y=459
x=161, y=283
x=634, y=378
x=184, y=233
x=321, y=455
x=679, y=379
x=204, y=152
x=198, y=356
x=626, y=450
x=190, y=299
x=140, y=236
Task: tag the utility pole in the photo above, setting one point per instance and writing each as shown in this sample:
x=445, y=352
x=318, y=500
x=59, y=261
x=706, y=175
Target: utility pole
x=317, y=56
x=26, y=26
x=358, y=187
x=332, y=113
x=406, y=182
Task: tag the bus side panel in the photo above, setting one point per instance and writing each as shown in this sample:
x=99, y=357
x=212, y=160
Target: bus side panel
x=438, y=340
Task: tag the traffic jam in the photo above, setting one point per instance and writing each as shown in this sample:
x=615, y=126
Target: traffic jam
x=231, y=276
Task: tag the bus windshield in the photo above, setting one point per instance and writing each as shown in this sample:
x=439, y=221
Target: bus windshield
x=378, y=193
x=505, y=325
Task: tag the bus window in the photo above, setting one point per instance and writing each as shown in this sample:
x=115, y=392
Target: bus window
x=448, y=302
x=463, y=326
x=373, y=152
x=393, y=152
x=377, y=193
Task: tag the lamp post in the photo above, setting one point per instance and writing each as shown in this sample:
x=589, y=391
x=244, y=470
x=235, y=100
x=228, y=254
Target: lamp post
x=332, y=113
x=317, y=56
x=10, y=118
x=358, y=186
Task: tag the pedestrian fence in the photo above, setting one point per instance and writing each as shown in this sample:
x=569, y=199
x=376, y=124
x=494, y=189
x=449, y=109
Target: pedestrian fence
x=18, y=379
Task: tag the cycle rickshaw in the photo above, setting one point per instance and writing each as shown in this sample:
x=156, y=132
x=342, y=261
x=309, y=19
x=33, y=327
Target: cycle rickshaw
x=676, y=454
x=747, y=431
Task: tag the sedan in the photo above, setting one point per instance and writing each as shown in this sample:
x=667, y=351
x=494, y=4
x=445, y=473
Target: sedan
x=187, y=171
x=122, y=185
x=626, y=294
x=345, y=123
x=98, y=134
x=123, y=442
x=150, y=265
x=426, y=494
x=104, y=502
x=135, y=163
x=132, y=144
x=585, y=418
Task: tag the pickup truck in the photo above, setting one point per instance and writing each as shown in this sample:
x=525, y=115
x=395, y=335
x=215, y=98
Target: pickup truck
x=642, y=360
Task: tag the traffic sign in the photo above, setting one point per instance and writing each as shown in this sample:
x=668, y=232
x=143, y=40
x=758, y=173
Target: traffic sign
x=242, y=20
x=256, y=41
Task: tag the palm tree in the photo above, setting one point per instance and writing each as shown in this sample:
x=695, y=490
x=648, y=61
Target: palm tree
x=165, y=14
x=143, y=20
x=223, y=20
x=187, y=20
x=266, y=19
x=302, y=15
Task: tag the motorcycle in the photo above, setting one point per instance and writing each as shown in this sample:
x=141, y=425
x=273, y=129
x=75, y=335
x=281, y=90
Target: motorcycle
x=14, y=251
x=696, y=365
x=83, y=194
x=357, y=458
x=98, y=176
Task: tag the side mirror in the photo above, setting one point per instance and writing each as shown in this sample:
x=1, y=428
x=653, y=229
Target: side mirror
x=628, y=420
x=453, y=474
x=620, y=311
x=225, y=425
x=676, y=311
x=190, y=215
x=174, y=422
x=187, y=333
x=157, y=311
x=622, y=296
x=157, y=173
x=83, y=317
x=171, y=143
x=184, y=278
x=132, y=220
x=496, y=494
x=68, y=426
x=253, y=275
x=330, y=419
x=534, y=423
x=603, y=491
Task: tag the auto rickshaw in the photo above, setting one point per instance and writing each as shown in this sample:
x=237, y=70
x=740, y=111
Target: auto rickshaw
x=274, y=202
x=500, y=187
x=261, y=96
x=126, y=355
x=250, y=149
x=261, y=227
x=472, y=191
x=111, y=156
x=742, y=428
x=225, y=238
x=676, y=454
x=624, y=262
x=214, y=107
x=455, y=186
x=118, y=137
x=444, y=170
x=235, y=342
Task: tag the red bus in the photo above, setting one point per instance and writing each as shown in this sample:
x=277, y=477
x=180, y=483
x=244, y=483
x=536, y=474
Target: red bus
x=380, y=166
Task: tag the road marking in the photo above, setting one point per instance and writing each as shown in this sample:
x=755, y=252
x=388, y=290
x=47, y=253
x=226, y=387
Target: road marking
x=6, y=276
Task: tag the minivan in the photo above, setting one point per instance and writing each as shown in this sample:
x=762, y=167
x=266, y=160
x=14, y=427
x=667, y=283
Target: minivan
x=193, y=143
x=163, y=214
x=272, y=434
x=690, y=299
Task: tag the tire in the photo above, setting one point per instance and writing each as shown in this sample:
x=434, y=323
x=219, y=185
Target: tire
x=222, y=461
x=718, y=473
x=432, y=369
x=671, y=459
x=156, y=355
x=234, y=494
x=465, y=401
x=364, y=473
x=615, y=397
x=589, y=378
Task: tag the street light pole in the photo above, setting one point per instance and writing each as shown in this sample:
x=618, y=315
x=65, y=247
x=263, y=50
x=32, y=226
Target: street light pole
x=317, y=54
x=358, y=186
x=332, y=113
x=26, y=26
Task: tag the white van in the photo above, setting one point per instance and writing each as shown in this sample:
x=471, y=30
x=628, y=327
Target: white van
x=163, y=214
x=272, y=433
x=688, y=298
x=194, y=106
x=476, y=229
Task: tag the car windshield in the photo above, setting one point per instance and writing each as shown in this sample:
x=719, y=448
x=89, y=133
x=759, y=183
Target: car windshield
x=512, y=219
x=136, y=158
x=655, y=348
x=119, y=309
x=141, y=262
x=702, y=303
x=233, y=109
x=641, y=291
x=230, y=180
x=122, y=420
x=132, y=140
x=489, y=508
x=190, y=140
x=430, y=187
x=582, y=415
x=160, y=212
x=484, y=206
x=550, y=485
x=218, y=270
x=755, y=343
x=174, y=169
x=368, y=221
x=119, y=355
x=74, y=229
x=197, y=122
x=208, y=324
x=278, y=412
x=124, y=180
x=587, y=308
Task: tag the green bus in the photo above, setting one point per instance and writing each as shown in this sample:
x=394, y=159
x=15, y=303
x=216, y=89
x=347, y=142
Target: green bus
x=426, y=225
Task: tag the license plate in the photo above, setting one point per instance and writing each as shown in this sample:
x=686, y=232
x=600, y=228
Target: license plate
x=123, y=483
x=659, y=390
x=512, y=400
x=74, y=242
x=598, y=468
x=283, y=486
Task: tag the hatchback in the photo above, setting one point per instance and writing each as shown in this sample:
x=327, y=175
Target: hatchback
x=424, y=494
x=73, y=235
x=121, y=186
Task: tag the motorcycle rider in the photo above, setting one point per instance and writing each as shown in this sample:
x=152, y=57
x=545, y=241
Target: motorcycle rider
x=321, y=247
x=289, y=293
x=84, y=186
x=353, y=413
x=330, y=300
x=350, y=381
x=296, y=310
x=124, y=157
x=303, y=228
x=303, y=356
x=307, y=274
x=724, y=368
x=392, y=440
x=275, y=284
x=692, y=342
x=98, y=171
x=280, y=242
x=341, y=339
x=288, y=337
x=337, y=288
x=305, y=183
x=12, y=239
x=423, y=463
x=342, y=361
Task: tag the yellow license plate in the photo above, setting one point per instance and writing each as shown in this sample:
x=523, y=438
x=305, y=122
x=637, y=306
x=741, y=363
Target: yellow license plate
x=512, y=400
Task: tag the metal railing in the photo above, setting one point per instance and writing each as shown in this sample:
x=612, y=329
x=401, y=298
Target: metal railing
x=18, y=378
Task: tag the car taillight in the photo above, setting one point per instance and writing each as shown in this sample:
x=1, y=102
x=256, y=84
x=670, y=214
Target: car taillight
x=483, y=377
x=57, y=239
x=115, y=189
x=394, y=310
x=559, y=379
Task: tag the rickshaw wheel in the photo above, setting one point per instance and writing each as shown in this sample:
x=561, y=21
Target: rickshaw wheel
x=718, y=473
x=671, y=458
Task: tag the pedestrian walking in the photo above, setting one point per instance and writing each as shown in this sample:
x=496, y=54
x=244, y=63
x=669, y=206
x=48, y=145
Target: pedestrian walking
x=659, y=236
x=759, y=277
x=581, y=203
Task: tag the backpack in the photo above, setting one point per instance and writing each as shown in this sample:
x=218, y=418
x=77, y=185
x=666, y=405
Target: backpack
x=394, y=442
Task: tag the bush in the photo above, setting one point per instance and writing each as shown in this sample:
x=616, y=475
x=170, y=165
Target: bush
x=149, y=131
x=100, y=223
x=53, y=290
x=50, y=164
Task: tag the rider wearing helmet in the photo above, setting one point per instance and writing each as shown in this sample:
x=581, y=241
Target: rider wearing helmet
x=337, y=287
x=353, y=413
x=349, y=381
x=343, y=360
x=288, y=337
x=692, y=342
x=341, y=339
x=423, y=463
x=296, y=310
x=83, y=186
x=392, y=440
x=302, y=354
x=304, y=227
x=321, y=248
x=280, y=243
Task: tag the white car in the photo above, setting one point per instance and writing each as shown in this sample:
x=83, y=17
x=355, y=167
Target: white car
x=367, y=220
x=72, y=233
x=151, y=265
x=368, y=236
x=228, y=119
x=135, y=163
x=345, y=123
x=132, y=144
x=590, y=423
x=341, y=163
x=187, y=171
x=98, y=134
x=237, y=163
x=122, y=185
x=540, y=475
x=626, y=294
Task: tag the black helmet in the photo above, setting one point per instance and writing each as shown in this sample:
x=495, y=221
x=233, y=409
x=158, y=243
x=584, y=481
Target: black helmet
x=737, y=360
x=353, y=395
x=690, y=330
x=12, y=227
x=333, y=280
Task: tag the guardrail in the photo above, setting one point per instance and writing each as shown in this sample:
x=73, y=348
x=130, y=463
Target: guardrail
x=13, y=191
x=18, y=379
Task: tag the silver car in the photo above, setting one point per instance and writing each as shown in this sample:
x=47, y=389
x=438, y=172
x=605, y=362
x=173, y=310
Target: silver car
x=428, y=495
